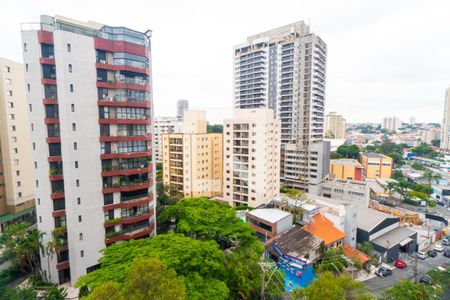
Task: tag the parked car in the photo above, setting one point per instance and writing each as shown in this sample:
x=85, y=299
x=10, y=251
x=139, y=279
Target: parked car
x=446, y=242
x=425, y=279
x=438, y=247
x=387, y=203
x=382, y=272
x=432, y=253
x=447, y=253
x=401, y=264
x=443, y=267
x=422, y=255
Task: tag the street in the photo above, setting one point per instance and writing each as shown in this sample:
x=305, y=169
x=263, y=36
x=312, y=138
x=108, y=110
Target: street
x=378, y=284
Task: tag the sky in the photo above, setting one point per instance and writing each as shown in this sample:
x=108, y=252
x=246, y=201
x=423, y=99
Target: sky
x=385, y=58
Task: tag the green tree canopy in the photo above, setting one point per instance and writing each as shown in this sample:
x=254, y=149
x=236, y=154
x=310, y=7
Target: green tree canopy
x=347, y=151
x=199, y=263
x=425, y=151
x=328, y=286
x=407, y=290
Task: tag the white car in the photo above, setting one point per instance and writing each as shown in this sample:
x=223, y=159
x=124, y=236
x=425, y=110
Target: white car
x=438, y=247
x=422, y=255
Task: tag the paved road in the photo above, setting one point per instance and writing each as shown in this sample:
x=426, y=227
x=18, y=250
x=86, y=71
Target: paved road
x=378, y=284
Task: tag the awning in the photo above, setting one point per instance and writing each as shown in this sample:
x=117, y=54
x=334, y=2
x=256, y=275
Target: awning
x=406, y=241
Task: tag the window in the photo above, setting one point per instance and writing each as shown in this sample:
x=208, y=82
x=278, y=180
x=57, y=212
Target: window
x=7, y=69
x=35, y=165
x=19, y=184
x=16, y=162
x=17, y=173
x=10, y=93
x=25, y=47
x=10, y=105
x=81, y=236
x=15, y=150
x=34, y=146
x=71, y=88
x=77, y=182
x=39, y=201
x=37, y=183
x=72, y=107
x=70, y=68
x=82, y=253
x=69, y=48
x=26, y=67
x=75, y=146
x=40, y=219
x=32, y=127
x=28, y=87
x=74, y=127
x=79, y=218
x=30, y=107
x=19, y=194
x=78, y=200
x=14, y=139
x=12, y=116
x=76, y=164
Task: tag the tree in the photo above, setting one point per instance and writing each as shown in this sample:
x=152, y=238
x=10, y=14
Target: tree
x=56, y=293
x=200, y=263
x=348, y=151
x=398, y=175
x=425, y=151
x=431, y=177
x=328, y=286
x=402, y=188
x=407, y=290
x=149, y=279
x=418, y=166
x=18, y=294
x=215, y=128
x=55, y=246
x=436, y=143
x=333, y=261
x=366, y=247
x=389, y=187
x=106, y=291
x=21, y=245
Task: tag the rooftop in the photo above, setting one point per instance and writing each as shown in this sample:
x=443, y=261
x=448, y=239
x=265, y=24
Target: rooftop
x=399, y=235
x=297, y=242
x=355, y=253
x=345, y=162
x=374, y=155
x=369, y=218
x=271, y=215
x=323, y=228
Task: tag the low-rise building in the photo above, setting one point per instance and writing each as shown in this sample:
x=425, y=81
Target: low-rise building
x=323, y=228
x=385, y=234
x=376, y=165
x=346, y=169
x=355, y=192
x=441, y=193
x=269, y=222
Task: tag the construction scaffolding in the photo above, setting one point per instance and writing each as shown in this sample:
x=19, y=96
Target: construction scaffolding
x=405, y=216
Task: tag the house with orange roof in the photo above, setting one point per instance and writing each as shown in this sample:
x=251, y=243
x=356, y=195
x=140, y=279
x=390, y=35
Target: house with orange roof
x=354, y=253
x=323, y=228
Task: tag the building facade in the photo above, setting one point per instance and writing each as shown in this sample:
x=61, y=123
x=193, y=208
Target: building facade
x=16, y=165
x=89, y=96
x=252, y=158
x=430, y=135
x=391, y=123
x=445, y=128
x=182, y=106
x=346, y=169
x=376, y=165
x=193, y=158
x=334, y=126
x=163, y=125
x=284, y=69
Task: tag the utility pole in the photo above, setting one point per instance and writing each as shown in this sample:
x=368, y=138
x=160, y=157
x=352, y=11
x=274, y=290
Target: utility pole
x=415, y=268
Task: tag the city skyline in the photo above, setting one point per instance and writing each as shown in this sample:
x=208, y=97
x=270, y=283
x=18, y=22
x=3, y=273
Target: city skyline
x=366, y=43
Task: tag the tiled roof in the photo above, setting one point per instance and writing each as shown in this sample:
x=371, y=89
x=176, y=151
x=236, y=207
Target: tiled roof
x=355, y=253
x=323, y=228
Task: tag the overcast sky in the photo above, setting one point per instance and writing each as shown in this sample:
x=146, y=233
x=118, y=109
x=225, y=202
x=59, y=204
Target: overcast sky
x=384, y=57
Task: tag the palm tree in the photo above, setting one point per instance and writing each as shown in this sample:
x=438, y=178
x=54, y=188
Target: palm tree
x=402, y=188
x=389, y=187
x=54, y=246
x=431, y=177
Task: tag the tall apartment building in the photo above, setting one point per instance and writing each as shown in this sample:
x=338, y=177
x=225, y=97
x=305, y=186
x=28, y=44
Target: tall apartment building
x=430, y=135
x=163, y=125
x=182, y=106
x=89, y=96
x=334, y=126
x=445, y=129
x=391, y=123
x=252, y=158
x=284, y=69
x=16, y=164
x=193, y=158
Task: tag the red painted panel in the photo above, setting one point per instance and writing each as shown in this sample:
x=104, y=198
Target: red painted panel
x=45, y=37
x=56, y=177
x=62, y=265
x=48, y=81
x=122, y=68
x=145, y=104
x=59, y=213
x=126, y=188
x=47, y=61
x=50, y=101
x=51, y=121
x=126, y=155
x=125, y=121
x=53, y=140
x=120, y=46
x=125, y=172
x=54, y=158
x=57, y=195
x=127, y=204
x=127, y=86
x=358, y=174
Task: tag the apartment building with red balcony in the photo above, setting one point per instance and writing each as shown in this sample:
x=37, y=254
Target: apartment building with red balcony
x=90, y=107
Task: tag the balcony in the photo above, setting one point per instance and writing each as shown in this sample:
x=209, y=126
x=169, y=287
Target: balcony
x=127, y=187
x=136, y=68
x=116, y=171
x=146, y=137
x=143, y=121
x=130, y=219
x=136, y=233
x=126, y=155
